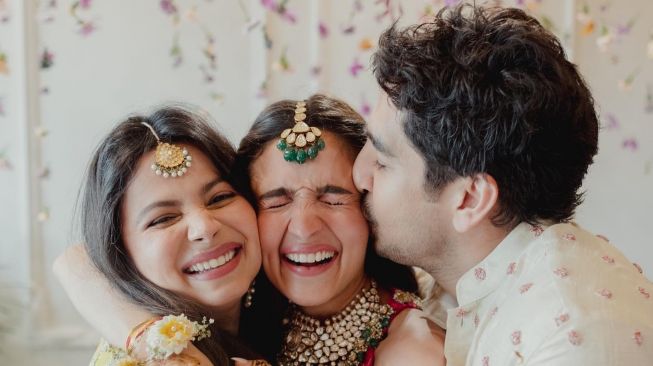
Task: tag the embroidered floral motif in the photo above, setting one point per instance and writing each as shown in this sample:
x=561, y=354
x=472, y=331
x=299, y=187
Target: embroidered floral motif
x=486, y=361
x=525, y=287
x=561, y=272
x=493, y=312
x=604, y=293
x=569, y=236
x=537, y=230
x=608, y=259
x=479, y=273
x=562, y=319
x=637, y=337
x=575, y=338
x=515, y=337
x=511, y=268
x=644, y=293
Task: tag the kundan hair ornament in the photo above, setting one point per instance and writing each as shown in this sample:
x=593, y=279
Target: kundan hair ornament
x=169, y=160
x=301, y=142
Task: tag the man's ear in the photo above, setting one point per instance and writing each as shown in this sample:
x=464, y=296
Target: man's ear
x=475, y=201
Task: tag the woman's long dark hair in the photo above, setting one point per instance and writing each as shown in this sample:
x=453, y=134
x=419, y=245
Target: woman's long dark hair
x=337, y=117
x=109, y=174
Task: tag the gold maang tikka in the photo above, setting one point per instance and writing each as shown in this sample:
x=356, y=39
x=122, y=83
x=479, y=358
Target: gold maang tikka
x=301, y=142
x=169, y=160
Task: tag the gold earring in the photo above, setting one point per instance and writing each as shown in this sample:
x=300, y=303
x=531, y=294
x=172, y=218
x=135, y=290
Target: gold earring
x=249, y=295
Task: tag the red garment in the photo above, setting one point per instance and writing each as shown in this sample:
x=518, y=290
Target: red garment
x=398, y=305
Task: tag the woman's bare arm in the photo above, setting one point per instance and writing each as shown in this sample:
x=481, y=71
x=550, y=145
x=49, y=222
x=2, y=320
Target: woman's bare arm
x=93, y=296
x=104, y=307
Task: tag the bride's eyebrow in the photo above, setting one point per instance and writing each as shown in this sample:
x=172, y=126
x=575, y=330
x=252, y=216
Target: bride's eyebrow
x=329, y=188
x=285, y=192
x=278, y=192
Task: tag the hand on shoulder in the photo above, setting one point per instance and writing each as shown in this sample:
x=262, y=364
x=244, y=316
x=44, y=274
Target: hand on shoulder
x=413, y=339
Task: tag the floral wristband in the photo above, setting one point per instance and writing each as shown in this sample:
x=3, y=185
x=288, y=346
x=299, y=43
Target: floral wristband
x=171, y=335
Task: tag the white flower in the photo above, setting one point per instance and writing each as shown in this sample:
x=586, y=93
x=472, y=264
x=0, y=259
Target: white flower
x=605, y=41
x=172, y=334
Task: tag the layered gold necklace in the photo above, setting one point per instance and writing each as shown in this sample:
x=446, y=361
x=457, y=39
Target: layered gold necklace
x=342, y=339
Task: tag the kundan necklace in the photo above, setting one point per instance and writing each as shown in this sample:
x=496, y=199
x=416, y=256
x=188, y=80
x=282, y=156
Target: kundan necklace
x=342, y=339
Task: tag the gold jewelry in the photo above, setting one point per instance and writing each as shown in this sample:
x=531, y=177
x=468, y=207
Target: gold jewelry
x=170, y=160
x=343, y=339
x=137, y=331
x=302, y=141
x=249, y=295
x=260, y=363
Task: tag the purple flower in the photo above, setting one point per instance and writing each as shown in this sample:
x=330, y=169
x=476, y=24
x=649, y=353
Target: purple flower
x=271, y=5
x=355, y=68
x=366, y=109
x=87, y=28
x=611, y=122
x=324, y=31
x=168, y=7
x=451, y=3
x=623, y=30
x=630, y=144
x=85, y=4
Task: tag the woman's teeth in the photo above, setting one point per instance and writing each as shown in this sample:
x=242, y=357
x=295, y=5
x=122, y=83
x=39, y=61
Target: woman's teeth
x=310, y=258
x=213, y=263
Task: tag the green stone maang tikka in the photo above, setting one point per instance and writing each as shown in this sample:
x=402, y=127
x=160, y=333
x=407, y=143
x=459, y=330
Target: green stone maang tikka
x=301, y=142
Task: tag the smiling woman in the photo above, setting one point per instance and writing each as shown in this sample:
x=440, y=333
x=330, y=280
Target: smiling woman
x=348, y=306
x=173, y=236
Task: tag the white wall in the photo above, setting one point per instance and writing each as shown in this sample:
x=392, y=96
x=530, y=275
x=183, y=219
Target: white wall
x=125, y=66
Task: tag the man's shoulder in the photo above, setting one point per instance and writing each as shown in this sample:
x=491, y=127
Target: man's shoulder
x=578, y=269
x=571, y=292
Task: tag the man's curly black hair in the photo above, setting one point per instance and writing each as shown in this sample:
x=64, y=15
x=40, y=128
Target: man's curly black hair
x=489, y=90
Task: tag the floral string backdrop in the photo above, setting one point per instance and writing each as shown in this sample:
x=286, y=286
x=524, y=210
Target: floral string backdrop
x=613, y=36
x=208, y=67
x=80, y=12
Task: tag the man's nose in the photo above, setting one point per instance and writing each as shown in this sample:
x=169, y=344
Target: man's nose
x=363, y=169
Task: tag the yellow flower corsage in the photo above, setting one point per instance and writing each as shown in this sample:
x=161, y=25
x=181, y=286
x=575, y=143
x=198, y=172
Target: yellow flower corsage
x=171, y=335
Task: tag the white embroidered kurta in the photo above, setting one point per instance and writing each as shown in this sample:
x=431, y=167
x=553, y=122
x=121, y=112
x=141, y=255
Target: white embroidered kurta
x=555, y=295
